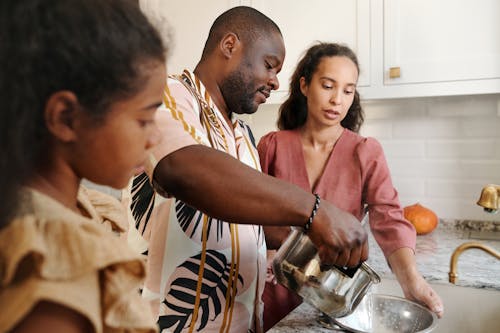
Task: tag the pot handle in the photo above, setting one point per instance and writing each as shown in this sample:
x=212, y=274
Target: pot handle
x=348, y=271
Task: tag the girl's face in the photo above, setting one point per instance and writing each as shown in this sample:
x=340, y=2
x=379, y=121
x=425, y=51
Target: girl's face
x=111, y=152
x=331, y=91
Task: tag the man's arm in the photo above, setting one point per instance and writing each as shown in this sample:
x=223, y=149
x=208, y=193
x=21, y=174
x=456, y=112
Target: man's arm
x=224, y=188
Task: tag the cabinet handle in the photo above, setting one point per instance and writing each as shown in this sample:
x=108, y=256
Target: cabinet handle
x=394, y=72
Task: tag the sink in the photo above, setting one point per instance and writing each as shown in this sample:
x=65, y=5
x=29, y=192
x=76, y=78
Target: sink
x=466, y=309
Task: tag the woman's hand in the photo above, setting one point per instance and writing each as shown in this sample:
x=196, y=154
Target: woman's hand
x=414, y=286
x=420, y=291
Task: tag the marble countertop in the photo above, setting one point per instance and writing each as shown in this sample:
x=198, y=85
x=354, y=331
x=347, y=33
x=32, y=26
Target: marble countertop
x=475, y=268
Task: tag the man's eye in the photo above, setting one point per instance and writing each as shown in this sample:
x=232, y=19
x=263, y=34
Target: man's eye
x=268, y=65
x=327, y=86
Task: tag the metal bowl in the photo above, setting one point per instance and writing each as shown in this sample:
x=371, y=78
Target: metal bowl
x=385, y=314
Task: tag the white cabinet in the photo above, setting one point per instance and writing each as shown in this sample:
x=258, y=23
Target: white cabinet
x=303, y=23
x=445, y=47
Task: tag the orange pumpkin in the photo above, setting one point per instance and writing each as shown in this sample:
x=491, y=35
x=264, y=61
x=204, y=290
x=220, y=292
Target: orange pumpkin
x=423, y=219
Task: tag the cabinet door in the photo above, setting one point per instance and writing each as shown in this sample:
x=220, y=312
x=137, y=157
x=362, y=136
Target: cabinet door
x=305, y=22
x=190, y=22
x=442, y=47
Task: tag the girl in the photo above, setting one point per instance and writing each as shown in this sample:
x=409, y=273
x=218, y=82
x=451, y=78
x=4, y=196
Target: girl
x=80, y=84
x=318, y=148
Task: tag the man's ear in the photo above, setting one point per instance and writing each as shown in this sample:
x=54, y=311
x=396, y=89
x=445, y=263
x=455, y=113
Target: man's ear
x=229, y=44
x=61, y=111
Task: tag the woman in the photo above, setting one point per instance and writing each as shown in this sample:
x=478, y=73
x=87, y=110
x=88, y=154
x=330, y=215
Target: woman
x=80, y=83
x=318, y=148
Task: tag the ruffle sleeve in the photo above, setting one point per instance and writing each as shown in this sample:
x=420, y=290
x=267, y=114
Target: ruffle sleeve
x=76, y=263
x=109, y=209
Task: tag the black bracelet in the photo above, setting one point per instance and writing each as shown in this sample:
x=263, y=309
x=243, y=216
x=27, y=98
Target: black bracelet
x=313, y=213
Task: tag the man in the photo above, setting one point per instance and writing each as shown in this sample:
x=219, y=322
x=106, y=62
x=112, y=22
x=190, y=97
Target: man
x=207, y=253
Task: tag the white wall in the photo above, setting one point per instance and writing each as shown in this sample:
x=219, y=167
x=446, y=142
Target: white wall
x=441, y=150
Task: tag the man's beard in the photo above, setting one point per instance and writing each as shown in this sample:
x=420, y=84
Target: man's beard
x=238, y=93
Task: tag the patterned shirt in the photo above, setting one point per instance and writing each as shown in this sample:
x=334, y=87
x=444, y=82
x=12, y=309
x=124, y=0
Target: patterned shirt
x=204, y=274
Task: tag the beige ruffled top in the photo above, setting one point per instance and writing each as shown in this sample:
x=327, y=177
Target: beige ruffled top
x=51, y=253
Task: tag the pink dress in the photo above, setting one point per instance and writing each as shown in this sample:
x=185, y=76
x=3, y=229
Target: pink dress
x=356, y=174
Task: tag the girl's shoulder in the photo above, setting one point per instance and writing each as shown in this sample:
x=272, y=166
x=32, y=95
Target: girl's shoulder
x=106, y=209
x=49, y=253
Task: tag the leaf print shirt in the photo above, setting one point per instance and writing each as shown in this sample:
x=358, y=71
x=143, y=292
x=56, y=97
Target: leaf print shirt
x=204, y=274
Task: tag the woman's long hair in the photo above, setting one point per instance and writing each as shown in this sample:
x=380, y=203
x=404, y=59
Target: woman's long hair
x=293, y=112
x=97, y=49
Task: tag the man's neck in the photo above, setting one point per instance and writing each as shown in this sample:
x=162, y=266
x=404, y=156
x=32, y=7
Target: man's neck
x=205, y=73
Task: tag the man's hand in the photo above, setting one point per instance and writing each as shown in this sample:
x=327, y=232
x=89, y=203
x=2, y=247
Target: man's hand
x=338, y=236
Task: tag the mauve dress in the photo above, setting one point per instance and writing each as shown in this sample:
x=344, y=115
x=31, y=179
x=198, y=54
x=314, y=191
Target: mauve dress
x=356, y=174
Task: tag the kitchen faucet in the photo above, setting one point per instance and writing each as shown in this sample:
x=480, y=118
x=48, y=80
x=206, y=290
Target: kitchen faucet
x=489, y=199
x=458, y=251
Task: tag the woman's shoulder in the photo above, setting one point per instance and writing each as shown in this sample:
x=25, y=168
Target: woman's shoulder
x=362, y=143
x=272, y=141
x=275, y=137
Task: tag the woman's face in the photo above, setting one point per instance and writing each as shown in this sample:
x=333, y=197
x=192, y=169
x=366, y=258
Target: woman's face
x=111, y=152
x=331, y=91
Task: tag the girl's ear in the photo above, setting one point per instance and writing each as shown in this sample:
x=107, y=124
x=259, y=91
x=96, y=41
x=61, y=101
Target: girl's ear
x=303, y=86
x=229, y=44
x=61, y=112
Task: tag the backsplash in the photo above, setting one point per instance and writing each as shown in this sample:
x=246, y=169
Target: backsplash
x=441, y=150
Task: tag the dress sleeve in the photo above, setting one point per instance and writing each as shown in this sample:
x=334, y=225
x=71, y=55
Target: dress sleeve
x=389, y=227
x=109, y=209
x=267, y=152
x=81, y=266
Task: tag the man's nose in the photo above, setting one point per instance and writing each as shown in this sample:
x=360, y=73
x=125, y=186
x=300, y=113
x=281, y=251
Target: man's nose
x=274, y=82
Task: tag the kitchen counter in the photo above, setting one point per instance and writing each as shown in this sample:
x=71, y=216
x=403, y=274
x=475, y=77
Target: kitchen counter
x=475, y=268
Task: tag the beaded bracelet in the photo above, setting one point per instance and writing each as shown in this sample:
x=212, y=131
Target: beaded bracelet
x=313, y=213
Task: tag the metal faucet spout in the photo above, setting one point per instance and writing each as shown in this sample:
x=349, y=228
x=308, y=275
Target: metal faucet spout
x=490, y=198
x=458, y=251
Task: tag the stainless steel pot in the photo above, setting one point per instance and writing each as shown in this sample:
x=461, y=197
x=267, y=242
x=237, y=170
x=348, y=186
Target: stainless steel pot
x=336, y=291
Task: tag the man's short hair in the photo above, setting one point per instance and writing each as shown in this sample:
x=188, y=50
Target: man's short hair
x=246, y=22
